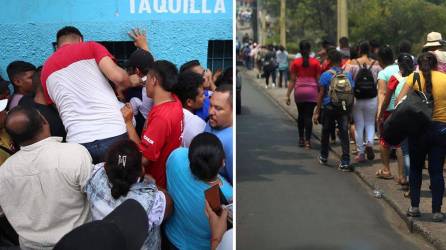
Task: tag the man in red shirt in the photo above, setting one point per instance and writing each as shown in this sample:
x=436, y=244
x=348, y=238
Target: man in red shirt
x=162, y=133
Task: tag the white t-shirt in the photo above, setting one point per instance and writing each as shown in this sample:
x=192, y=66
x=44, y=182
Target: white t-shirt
x=86, y=102
x=193, y=125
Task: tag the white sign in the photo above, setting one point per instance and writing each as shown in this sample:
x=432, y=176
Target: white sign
x=176, y=6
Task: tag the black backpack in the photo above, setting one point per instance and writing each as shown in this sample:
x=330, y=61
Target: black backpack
x=365, y=86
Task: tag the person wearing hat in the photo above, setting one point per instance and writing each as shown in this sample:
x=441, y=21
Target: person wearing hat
x=125, y=228
x=434, y=44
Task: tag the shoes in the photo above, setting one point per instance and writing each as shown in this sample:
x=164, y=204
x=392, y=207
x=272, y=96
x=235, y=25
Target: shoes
x=323, y=160
x=360, y=158
x=413, y=212
x=437, y=217
x=345, y=167
x=369, y=152
x=307, y=145
x=266, y=86
x=301, y=143
x=274, y=85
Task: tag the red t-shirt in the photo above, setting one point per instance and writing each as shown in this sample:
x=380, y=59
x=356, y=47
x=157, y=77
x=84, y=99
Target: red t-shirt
x=313, y=69
x=161, y=137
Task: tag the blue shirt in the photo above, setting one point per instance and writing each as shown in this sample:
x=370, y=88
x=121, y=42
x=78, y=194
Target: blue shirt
x=225, y=136
x=203, y=112
x=188, y=227
x=325, y=79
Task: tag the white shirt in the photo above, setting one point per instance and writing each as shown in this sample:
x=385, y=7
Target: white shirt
x=193, y=125
x=143, y=106
x=40, y=191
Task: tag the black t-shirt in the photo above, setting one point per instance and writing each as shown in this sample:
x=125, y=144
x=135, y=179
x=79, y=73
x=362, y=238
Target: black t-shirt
x=50, y=113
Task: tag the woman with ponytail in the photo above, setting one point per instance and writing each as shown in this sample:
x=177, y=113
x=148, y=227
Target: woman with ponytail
x=121, y=177
x=304, y=76
x=432, y=141
x=396, y=83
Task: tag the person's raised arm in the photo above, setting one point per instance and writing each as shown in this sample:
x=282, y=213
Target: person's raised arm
x=139, y=38
x=114, y=73
x=127, y=113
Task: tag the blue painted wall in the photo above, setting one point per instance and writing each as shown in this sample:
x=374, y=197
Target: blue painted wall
x=177, y=30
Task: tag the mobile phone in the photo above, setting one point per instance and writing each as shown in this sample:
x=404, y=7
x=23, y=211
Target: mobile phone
x=212, y=195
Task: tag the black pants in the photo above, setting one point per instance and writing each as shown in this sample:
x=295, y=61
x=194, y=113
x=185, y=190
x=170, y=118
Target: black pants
x=431, y=143
x=269, y=73
x=329, y=119
x=304, y=119
x=8, y=236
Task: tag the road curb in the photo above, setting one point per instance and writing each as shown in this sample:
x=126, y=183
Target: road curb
x=412, y=225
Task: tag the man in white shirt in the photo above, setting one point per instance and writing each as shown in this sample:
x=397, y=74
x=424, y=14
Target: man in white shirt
x=189, y=90
x=76, y=79
x=40, y=185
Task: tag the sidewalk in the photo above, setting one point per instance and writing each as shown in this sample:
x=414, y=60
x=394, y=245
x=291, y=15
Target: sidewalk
x=433, y=232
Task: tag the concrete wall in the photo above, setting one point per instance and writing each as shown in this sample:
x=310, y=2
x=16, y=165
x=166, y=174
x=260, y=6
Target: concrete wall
x=177, y=30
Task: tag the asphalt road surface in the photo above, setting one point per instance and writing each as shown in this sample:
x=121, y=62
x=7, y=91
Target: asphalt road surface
x=286, y=200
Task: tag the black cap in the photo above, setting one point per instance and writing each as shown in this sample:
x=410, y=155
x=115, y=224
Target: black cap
x=189, y=65
x=141, y=59
x=125, y=228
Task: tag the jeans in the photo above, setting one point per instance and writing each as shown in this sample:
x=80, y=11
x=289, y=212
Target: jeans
x=329, y=117
x=364, y=112
x=283, y=75
x=99, y=148
x=406, y=158
x=304, y=119
x=433, y=144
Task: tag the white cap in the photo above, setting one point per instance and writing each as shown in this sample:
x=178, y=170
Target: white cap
x=3, y=104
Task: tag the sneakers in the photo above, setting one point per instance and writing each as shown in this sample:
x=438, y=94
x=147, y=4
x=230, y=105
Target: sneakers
x=369, y=152
x=360, y=158
x=274, y=85
x=266, y=86
x=322, y=160
x=413, y=212
x=345, y=167
x=437, y=217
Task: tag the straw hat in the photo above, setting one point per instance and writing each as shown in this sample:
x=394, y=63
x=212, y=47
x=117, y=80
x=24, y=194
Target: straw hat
x=433, y=40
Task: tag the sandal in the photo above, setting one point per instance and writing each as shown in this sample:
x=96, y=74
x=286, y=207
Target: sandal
x=402, y=181
x=382, y=174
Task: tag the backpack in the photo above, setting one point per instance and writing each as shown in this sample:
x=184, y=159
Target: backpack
x=365, y=86
x=340, y=92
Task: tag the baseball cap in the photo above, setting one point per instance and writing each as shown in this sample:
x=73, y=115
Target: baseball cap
x=125, y=228
x=141, y=59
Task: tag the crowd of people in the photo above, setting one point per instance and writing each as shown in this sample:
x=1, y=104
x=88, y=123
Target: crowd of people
x=352, y=90
x=123, y=153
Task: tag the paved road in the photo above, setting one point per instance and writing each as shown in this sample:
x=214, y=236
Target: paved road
x=286, y=200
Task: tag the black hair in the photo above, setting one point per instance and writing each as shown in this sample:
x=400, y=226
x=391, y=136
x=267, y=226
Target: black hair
x=385, y=54
x=122, y=166
x=167, y=74
x=68, y=31
x=206, y=156
x=37, y=84
x=405, y=63
x=281, y=47
x=187, y=87
x=305, y=49
x=354, y=52
x=27, y=130
x=4, y=87
x=364, y=48
x=189, y=65
x=374, y=44
x=343, y=42
x=225, y=88
x=335, y=57
x=18, y=67
x=225, y=78
x=405, y=46
x=325, y=44
x=427, y=62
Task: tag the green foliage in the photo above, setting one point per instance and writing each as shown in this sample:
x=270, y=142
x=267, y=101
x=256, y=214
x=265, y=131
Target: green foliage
x=387, y=21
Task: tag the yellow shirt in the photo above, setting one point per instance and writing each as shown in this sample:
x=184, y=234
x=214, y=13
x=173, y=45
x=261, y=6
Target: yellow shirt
x=438, y=92
x=6, y=142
